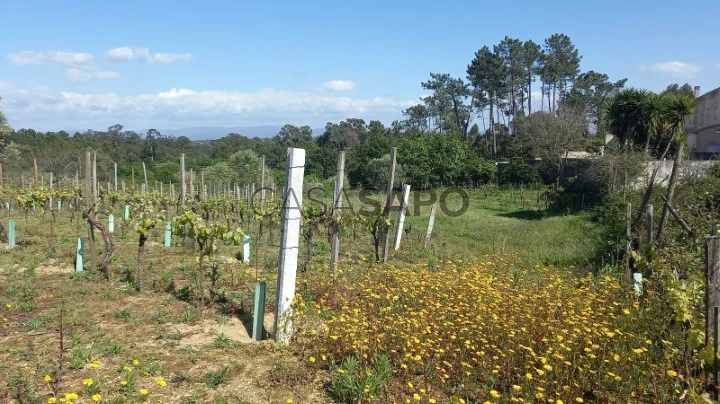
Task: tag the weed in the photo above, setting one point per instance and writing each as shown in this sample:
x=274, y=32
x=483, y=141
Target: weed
x=189, y=316
x=355, y=384
x=222, y=341
x=123, y=314
x=215, y=378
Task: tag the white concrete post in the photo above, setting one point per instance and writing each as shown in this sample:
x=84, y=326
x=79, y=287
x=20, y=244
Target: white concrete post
x=337, y=208
x=289, y=243
x=431, y=223
x=401, y=217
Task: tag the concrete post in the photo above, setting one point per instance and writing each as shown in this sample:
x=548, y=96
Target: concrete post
x=337, y=208
x=401, y=217
x=289, y=243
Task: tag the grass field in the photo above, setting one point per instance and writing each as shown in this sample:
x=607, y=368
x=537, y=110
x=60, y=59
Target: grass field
x=122, y=346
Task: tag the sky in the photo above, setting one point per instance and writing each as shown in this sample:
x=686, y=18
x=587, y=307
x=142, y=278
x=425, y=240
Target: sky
x=76, y=65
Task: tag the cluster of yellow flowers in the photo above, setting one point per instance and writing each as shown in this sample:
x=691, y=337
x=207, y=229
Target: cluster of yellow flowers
x=92, y=386
x=489, y=331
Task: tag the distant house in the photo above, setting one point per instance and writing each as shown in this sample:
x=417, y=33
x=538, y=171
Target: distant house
x=703, y=128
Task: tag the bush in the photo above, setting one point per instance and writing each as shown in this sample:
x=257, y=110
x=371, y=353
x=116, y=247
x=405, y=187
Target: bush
x=518, y=171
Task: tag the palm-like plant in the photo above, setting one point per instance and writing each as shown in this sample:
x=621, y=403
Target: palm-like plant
x=626, y=113
x=655, y=108
x=637, y=116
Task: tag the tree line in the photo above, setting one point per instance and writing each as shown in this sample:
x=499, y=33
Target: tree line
x=439, y=140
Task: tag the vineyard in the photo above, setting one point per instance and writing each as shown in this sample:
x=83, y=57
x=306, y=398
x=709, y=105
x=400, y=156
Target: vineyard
x=501, y=305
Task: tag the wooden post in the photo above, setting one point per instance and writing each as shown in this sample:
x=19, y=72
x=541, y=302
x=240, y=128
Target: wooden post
x=716, y=362
x=88, y=180
x=203, y=190
x=401, y=216
x=192, y=183
x=649, y=223
x=388, y=201
x=36, y=172
x=183, y=190
x=431, y=223
x=132, y=171
x=50, y=198
x=94, y=176
x=116, y=183
x=712, y=294
x=289, y=243
x=337, y=208
x=145, y=177
x=262, y=184
x=259, y=312
x=628, y=239
x=90, y=204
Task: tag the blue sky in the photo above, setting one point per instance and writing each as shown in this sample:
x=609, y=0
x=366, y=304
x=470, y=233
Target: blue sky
x=172, y=64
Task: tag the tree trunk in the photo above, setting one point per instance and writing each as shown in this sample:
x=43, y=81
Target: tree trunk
x=492, y=126
x=308, y=247
x=670, y=193
x=529, y=95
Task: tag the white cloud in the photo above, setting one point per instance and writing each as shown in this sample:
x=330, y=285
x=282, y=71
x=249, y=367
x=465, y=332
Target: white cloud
x=338, y=85
x=128, y=53
x=674, y=69
x=143, y=54
x=44, y=109
x=171, y=57
x=45, y=57
x=79, y=75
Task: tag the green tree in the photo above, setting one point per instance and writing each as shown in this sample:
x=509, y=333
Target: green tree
x=530, y=58
x=510, y=50
x=417, y=118
x=488, y=75
x=589, y=93
x=456, y=100
x=549, y=136
x=293, y=136
x=685, y=89
x=560, y=66
x=246, y=166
